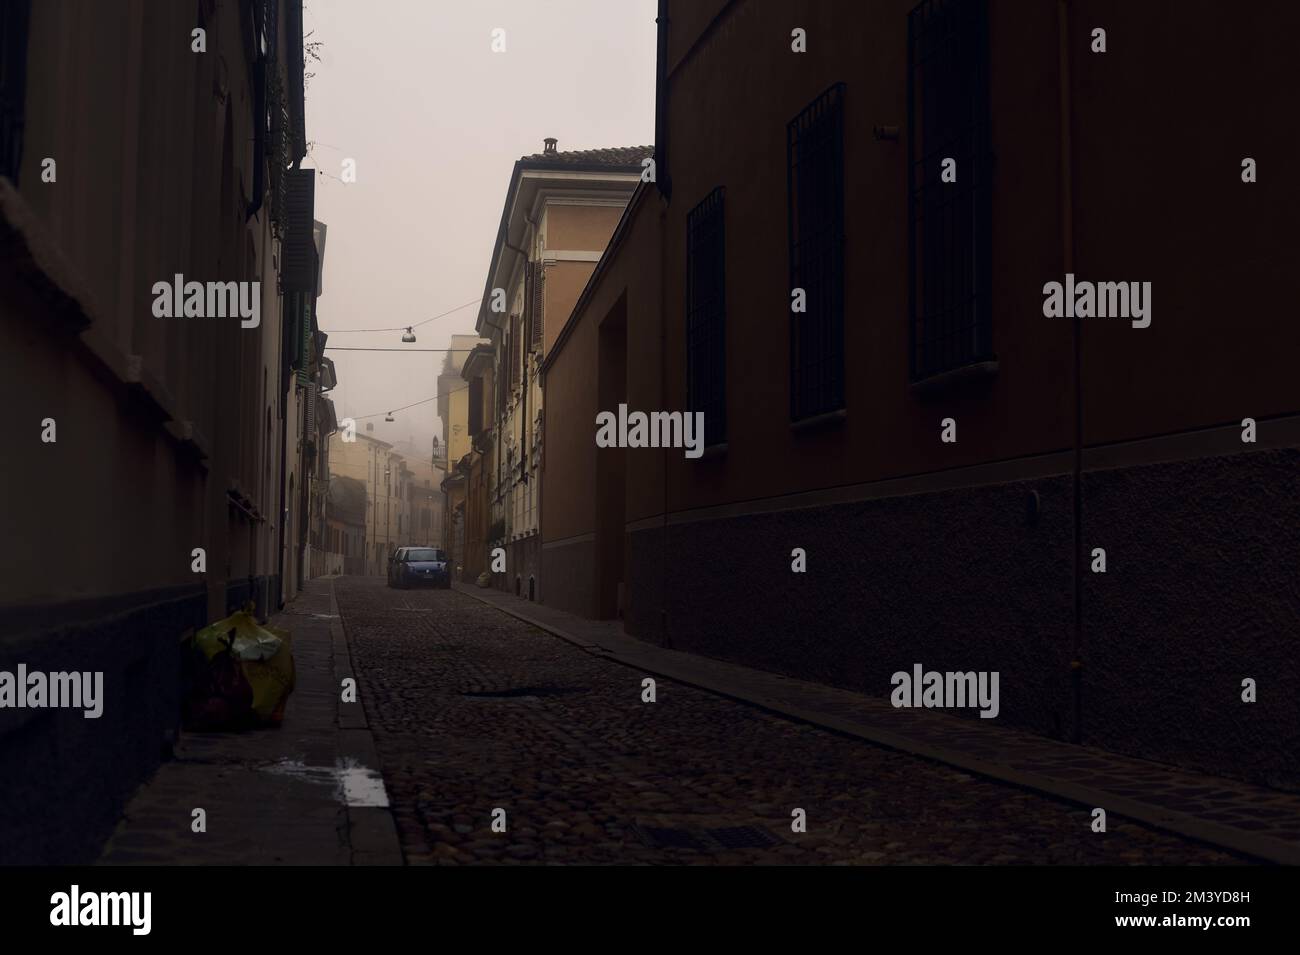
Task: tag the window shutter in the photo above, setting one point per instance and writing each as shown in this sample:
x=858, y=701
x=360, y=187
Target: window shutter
x=528, y=303
x=501, y=375
x=298, y=254
x=514, y=349
x=475, y=406
x=537, y=304
x=302, y=350
x=312, y=391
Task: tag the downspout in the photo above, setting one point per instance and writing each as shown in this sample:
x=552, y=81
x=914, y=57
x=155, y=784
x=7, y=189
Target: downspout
x=523, y=388
x=264, y=65
x=279, y=561
x=541, y=481
x=666, y=638
x=664, y=181
x=1067, y=254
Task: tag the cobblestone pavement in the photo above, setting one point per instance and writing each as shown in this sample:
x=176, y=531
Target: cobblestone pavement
x=473, y=710
x=1235, y=815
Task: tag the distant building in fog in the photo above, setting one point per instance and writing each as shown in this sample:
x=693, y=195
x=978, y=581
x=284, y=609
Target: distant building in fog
x=560, y=209
x=346, y=523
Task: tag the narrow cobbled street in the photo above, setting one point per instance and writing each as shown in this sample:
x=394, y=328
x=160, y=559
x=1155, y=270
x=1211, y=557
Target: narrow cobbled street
x=474, y=711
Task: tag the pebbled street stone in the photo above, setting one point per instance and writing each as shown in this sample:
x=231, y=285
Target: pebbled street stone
x=578, y=762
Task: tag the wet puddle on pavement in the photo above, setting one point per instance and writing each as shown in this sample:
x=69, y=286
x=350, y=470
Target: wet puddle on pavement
x=355, y=785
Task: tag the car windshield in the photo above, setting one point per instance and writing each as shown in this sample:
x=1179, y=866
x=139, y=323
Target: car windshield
x=423, y=553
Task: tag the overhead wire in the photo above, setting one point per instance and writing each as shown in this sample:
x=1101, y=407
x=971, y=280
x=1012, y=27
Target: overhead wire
x=400, y=328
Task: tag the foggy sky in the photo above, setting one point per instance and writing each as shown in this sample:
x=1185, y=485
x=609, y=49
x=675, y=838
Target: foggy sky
x=435, y=121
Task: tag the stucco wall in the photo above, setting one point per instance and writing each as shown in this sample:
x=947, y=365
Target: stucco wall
x=580, y=227
x=569, y=455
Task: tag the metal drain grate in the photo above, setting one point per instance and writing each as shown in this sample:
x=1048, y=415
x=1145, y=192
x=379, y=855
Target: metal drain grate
x=520, y=692
x=705, y=840
x=743, y=837
x=664, y=837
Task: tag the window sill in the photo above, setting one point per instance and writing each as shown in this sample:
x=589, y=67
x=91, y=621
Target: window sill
x=818, y=422
x=945, y=380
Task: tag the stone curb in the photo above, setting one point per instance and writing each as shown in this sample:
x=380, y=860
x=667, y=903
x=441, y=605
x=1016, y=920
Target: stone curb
x=372, y=831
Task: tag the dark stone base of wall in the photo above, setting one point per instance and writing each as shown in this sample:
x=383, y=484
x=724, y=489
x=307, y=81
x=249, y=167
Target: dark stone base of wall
x=66, y=778
x=953, y=581
x=261, y=590
x=569, y=574
x=646, y=613
x=523, y=560
x=1201, y=592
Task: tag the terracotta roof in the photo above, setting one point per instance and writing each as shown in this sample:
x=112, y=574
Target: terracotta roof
x=614, y=156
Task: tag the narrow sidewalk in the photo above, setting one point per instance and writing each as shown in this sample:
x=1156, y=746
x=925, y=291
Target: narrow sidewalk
x=1252, y=820
x=305, y=793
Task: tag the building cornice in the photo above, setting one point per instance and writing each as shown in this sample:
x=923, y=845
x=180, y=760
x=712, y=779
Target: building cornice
x=585, y=181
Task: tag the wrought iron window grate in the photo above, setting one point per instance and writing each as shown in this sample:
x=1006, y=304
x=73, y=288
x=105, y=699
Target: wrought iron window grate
x=815, y=190
x=949, y=223
x=706, y=314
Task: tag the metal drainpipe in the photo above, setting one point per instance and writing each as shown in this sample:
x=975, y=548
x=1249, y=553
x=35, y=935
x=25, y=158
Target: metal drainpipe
x=278, y=600
x=667, y=639
x=1067, y=251
x=664, y=182
x=523, y=421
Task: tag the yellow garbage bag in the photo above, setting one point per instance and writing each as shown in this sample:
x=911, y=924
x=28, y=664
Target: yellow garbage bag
x=272, y=678
x=265, y=655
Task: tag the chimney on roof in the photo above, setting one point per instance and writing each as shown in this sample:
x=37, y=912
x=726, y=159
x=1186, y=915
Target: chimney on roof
x=549, y=149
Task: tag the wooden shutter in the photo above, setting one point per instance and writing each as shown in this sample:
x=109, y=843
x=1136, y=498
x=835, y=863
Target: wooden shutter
x=298, y=252
x=528, y=303
x=537, y=304
x=514, y=349
x=475, y=406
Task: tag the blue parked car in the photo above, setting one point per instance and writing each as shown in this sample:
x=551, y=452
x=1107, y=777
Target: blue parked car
x=413, y=566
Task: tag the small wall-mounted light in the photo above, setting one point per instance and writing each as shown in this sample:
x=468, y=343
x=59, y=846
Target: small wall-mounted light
x=408, y=335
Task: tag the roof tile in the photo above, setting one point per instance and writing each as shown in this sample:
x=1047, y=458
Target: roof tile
x=614, y=156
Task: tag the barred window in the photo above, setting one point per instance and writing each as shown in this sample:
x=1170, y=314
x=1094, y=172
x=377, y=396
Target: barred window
x=949, y=222
x=14, y=18
x=815, y=195
x=706, y=315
